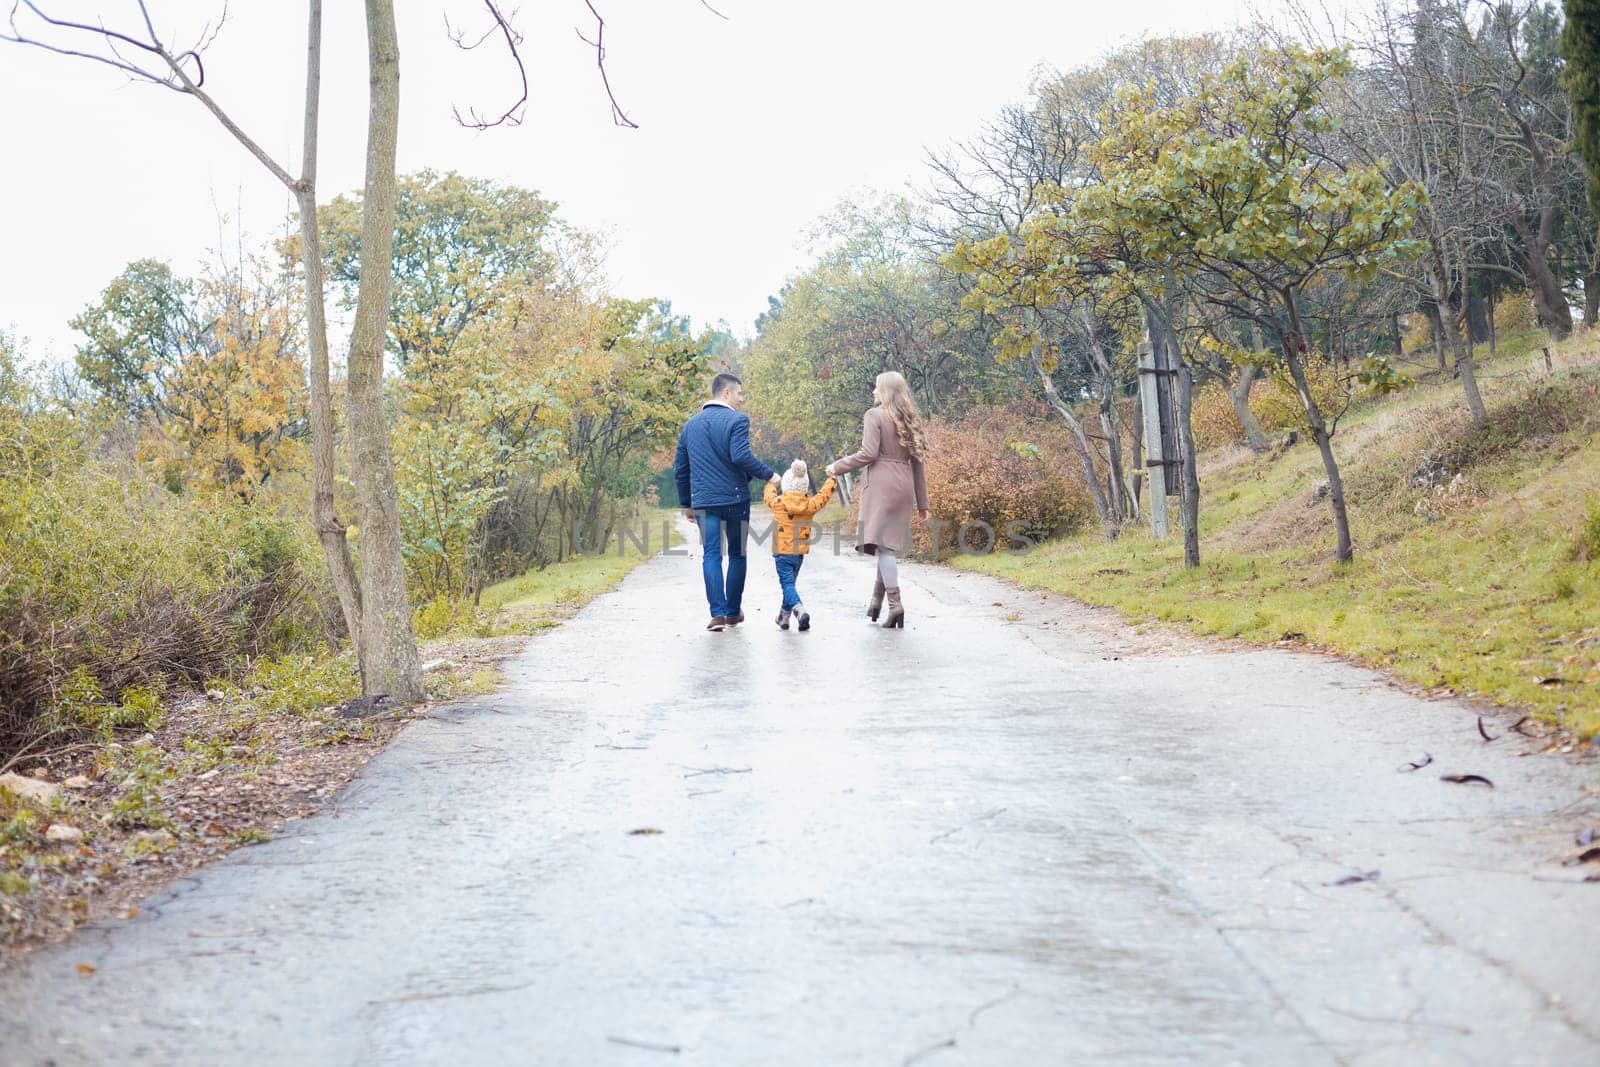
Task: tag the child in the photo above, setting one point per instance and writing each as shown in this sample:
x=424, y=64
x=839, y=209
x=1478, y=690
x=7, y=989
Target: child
x=792, y=512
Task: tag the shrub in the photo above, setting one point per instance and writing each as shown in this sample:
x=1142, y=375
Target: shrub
x=302, y=684
x=1277, y=406
x=1004, y=465
x=1548, y=409
x=445, y=615
x=1213, y=420
x=1588, y=547
x=113, y=589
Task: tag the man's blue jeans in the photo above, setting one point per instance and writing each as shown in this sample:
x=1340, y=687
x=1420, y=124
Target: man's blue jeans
x=788, y=574
x=726, y=525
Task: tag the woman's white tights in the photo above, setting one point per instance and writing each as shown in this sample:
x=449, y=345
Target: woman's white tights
x=888, y=569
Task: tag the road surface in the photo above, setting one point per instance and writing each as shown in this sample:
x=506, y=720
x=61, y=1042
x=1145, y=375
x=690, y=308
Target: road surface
x=1013, y=833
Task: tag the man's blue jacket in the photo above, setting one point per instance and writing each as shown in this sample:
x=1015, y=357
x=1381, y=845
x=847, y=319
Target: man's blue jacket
x=714, y=465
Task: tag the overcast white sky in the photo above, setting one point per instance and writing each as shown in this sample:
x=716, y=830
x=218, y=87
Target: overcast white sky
x=751, y=128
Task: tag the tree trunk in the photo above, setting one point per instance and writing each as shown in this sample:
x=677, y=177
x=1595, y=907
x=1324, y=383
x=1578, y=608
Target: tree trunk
x=1447, y=328
x=1319, y=429
x=1488, y=312
x=1081, y=446
x=1549, y=302
x=1436, y=321
x=1110, y=420
x=388, y=646
x=1239, y=394
x=1189, y=501
x=324, y=517
x=1591, y=298
x=1138, y=458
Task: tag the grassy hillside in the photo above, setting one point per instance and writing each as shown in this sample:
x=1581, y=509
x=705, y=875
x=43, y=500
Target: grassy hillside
x=1473, y=569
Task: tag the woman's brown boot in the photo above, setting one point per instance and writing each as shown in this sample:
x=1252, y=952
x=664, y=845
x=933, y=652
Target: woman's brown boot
x=895, y=619
x=876, y=604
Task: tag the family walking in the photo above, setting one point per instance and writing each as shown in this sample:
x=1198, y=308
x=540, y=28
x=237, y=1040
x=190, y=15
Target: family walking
x=714, y=468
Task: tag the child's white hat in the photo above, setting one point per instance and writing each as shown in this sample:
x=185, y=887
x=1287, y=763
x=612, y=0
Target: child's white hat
x=795, y=480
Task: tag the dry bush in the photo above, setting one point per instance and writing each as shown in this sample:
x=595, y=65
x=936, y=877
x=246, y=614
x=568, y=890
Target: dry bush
x=110, y=584
x=1213, y=419
x=1277, y=406
x=1001, y=465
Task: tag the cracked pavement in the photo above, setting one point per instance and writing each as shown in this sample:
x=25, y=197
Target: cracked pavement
x=1010, y=834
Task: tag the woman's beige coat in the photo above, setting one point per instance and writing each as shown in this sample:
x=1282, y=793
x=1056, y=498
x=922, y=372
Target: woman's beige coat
x=892, y=485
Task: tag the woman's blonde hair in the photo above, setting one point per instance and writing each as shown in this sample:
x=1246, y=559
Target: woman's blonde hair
x=894, y=396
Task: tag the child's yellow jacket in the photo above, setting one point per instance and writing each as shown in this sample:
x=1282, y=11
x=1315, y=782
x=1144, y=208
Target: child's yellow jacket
x=793, y=509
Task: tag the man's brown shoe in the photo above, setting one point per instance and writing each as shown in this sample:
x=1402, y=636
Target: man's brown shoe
x=717, y=623
x=735, y=620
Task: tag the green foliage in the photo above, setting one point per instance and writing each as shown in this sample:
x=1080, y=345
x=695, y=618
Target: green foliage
x=1589, y=534
x=136, y=335
x=138, y=804
x=446, y=615
x=301, y=684
x=113, y=588
x=462, y=246
x=1580, y=43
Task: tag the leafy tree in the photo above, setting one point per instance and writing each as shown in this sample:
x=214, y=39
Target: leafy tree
x=136, y=336
x=1233, y=189
x=462, y=246
x=233, y=412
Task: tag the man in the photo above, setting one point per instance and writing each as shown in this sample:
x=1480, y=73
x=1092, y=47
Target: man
x=713, y=470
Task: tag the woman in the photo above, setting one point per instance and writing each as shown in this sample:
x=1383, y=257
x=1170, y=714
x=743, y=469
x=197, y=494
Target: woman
x=892, y=448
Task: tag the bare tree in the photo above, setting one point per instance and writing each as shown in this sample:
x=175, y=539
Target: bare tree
x=145, y=57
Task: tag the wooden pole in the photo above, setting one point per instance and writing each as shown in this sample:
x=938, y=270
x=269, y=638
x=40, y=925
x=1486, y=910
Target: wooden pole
x=1154, y=460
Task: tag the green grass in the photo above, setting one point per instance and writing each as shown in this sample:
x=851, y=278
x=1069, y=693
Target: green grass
x=1485, y=588
x=540, y=599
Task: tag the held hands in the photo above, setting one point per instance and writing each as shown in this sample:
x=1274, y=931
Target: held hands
x=776, y=479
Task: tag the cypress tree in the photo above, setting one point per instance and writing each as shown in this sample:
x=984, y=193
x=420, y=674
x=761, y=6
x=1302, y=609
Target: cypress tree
x=1580, y=41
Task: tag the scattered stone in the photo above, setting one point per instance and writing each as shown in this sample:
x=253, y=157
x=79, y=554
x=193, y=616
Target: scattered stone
x=30, y=788
x=216, y=696
x=77, y=781
x=1323, y=492
x=363, y=707
x=435, y=665
x=155, y=839
x=206, y=777
x=58, y=833
x=1434, y=470
x=144, y=741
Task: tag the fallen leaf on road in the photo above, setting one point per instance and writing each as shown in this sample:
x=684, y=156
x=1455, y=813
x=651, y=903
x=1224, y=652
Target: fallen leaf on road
x=1466, y=779
x=1417, y=764
x=1485, y=733
x=84, y=968
x=1353, y=879
x=1583, y=857
x=644, y=831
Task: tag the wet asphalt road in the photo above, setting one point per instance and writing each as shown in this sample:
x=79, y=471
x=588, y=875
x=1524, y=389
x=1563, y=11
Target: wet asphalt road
x=1009, y=834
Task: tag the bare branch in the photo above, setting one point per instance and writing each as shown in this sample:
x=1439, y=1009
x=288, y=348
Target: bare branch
x=714, y=11
x=512, y=116
x=618, y=116
x=177, y=76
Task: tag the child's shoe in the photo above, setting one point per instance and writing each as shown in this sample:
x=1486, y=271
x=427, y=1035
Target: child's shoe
x=803, y=615
x=783, y=619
